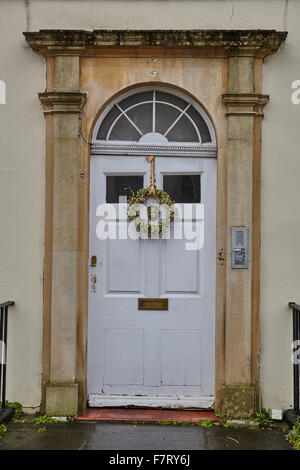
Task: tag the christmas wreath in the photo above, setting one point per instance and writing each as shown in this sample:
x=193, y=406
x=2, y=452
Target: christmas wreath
x=158, y=217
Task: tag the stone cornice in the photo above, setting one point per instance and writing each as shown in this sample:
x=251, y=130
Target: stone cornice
x=209, y=43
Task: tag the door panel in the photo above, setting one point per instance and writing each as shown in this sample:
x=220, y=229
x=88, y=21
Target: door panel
x=181, y=365
x=123, y=357
x=152, y=353
x=124, y=267
x=179, y=268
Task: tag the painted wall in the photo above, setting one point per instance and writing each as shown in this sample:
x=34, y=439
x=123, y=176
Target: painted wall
x=22, y=166
x=280, y=262
x=21, y=204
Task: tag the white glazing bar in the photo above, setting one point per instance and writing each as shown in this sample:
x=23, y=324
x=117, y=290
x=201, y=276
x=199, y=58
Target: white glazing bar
x=177, y=119
x=154, y=111
x=128, y=118
x=153, y=102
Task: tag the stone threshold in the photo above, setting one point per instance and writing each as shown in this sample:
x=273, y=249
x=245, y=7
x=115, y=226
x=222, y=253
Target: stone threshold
x=146, y=415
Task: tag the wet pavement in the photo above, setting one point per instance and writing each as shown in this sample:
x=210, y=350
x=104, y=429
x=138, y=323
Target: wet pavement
x=119, y=436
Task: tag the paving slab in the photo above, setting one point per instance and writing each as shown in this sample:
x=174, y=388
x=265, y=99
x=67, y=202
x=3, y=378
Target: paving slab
x=119, y=436
x=220, y=438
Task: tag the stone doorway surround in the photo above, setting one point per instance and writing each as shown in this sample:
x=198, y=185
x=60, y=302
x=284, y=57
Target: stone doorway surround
x=242, y=53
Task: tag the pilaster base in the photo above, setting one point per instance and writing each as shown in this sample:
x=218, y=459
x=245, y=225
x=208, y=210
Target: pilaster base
x=62, y=399
x=238, y=401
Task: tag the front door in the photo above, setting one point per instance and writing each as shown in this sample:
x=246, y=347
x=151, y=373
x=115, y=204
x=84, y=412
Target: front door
x=152, y=357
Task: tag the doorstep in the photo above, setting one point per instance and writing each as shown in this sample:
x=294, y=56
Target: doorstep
x=146, y=415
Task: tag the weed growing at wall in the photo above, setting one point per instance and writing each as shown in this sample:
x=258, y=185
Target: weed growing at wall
x=3, y=430
x=294, y=435
x=44, y=420
x=18, y=411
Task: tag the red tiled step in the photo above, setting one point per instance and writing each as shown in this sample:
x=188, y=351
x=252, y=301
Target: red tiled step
x=150, y=415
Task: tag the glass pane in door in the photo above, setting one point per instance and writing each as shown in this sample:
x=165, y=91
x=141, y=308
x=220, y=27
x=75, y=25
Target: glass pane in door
x=122, y=185
x=183, y=188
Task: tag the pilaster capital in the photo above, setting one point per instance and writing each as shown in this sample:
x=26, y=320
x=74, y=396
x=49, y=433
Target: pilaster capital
x=244, y=51
x=70, y=51
x=245, y=103
x=62, y=101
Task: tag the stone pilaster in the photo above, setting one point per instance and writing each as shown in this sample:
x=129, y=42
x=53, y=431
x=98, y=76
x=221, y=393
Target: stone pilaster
x=62, y=108
x=244, y=107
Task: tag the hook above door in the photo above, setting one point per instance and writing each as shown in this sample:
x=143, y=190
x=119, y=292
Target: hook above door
x=151, y=159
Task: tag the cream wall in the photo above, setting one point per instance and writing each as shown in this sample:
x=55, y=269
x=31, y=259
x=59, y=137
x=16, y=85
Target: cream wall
x=22, y=166
x=21, y=204
x=280, y=261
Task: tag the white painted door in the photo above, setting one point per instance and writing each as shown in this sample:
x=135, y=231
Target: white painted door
x=152, y=357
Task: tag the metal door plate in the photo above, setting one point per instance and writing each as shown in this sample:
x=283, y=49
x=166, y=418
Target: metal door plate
x=153, y=304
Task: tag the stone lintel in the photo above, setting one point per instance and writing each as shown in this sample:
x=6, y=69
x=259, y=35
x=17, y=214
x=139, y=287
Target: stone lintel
x=238, y=401
x=221, y=43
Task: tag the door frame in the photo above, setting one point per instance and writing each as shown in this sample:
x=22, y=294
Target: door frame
x=241, y=54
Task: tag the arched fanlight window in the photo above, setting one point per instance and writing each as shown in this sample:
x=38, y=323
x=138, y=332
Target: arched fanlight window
x=154, y=119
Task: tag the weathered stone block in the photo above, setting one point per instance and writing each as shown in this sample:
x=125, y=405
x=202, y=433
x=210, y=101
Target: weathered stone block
x=62, y=400
x=240, y=127
x=241, y=75
x=66, y=76
x=238, y=401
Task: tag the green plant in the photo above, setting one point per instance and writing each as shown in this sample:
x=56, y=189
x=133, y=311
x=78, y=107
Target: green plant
x=71, y=419
x=285, y=427
x=264, y=418
x=240, y=426
x=173, y=423
x=176, y=423
x=45, y=420
x=206, y=423
x=3, y=430
x=42, y=430
x=294, y=435
x=17, y=410
x=224, y=422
